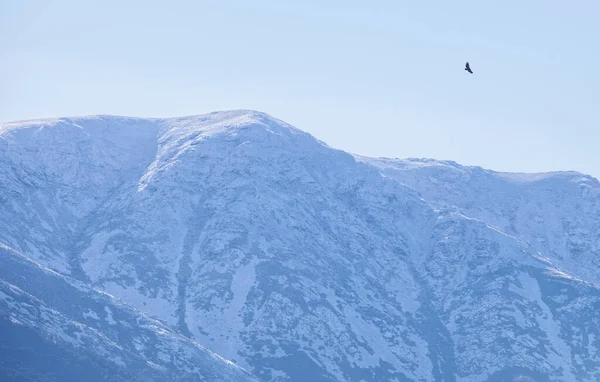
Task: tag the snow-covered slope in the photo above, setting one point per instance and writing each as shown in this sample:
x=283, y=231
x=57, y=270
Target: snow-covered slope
x=557, y=214
x=56, y=328
x=300, y=262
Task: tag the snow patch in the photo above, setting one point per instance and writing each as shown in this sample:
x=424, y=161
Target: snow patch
x=109, y=316
x=91, y=314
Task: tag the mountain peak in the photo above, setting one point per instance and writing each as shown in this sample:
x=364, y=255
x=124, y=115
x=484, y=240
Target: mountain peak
x=298, y=262
x=227, y=118
x=228, y=121
x=128, y=132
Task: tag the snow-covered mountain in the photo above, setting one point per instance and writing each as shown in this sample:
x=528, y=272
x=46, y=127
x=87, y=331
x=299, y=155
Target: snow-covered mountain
x=299, y=262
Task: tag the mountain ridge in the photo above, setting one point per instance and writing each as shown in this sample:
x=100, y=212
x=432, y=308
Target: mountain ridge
x=302, y=262
x=262, y=117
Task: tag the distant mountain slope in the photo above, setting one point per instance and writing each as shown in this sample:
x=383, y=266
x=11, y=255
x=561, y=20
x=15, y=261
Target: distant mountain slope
x=300, y=262
x=56, y=329
x=557, y=214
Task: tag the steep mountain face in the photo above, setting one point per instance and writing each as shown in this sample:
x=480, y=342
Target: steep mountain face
x=54, y=328
x=299, y=262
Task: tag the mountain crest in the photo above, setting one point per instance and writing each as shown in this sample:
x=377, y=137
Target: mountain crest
x=299, y=262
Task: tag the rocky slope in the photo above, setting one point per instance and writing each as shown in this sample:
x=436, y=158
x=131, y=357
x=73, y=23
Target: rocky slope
x=300, y=262
x=556, y=214
x=53, y=328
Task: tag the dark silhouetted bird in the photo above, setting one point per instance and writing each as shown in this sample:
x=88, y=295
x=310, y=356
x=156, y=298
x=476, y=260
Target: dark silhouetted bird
x=468, y=68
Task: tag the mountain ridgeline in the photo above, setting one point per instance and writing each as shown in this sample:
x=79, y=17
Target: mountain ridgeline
x=233, y=246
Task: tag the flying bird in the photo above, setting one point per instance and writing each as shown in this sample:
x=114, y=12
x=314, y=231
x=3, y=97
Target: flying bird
x=468, y=68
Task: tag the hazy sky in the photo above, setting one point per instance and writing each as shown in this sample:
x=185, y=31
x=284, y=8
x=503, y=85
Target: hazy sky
x=378, y=78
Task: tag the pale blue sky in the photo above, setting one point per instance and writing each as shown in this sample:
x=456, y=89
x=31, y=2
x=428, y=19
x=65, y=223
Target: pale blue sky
x=378, y=78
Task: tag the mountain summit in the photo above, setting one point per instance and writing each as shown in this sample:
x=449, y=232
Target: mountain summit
x=299, y=262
